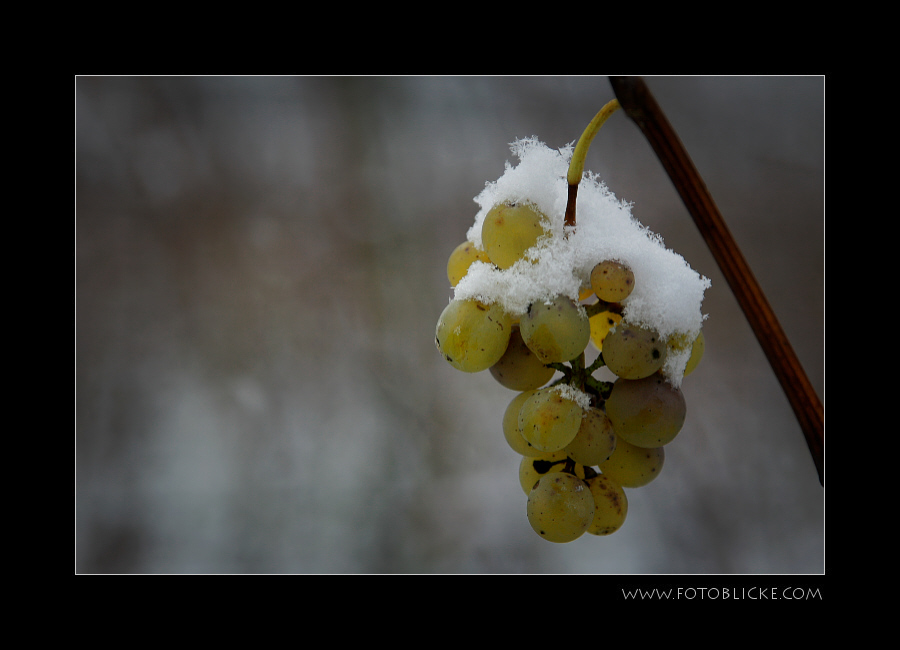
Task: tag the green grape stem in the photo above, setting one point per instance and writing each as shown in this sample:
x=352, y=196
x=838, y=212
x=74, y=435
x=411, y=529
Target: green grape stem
x=596, y=364
x=564, y=369
x=576, y=164
x=581, y=377
x=604, y=388
x=578, y=366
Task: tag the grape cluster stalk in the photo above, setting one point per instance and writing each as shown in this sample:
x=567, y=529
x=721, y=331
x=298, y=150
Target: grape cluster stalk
x=582, y=440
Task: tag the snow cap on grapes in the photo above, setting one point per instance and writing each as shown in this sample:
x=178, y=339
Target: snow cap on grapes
x=667, y=293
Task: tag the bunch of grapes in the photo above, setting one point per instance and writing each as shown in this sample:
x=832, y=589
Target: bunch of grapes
x=583, y=439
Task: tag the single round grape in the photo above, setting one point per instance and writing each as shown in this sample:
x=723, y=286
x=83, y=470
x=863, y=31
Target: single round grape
x=462, y=257
x=509, y=230
x=549, y=421
x=595, y=440
x=634, y=351
x=601, y=324
x=511, y=431
x=697, y=350
x=519, y=368
x=531, y=468
x=612, y=281
x=556, y=331
x=560, y=507
x=610, y=505
x=646, y=412
x=472, y=335
x=632, y=466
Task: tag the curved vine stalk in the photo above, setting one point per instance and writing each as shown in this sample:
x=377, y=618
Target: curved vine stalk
x=576, y=164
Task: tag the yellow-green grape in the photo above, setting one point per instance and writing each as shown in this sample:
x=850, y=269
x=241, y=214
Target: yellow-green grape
x=556, y=331
x=461, y=259
x=472, y=335
x=560, y=507
x=509, y=230
x=612, y=281
x=519, y=368
x=646, y=412
x=679, y=343
x=634, y=351
x=531, y=468
x=601, y=324
x=595, y=440
x=697, y=350
x=549, y=420
x=610, y=505
x=632, y=466
x=511, y=430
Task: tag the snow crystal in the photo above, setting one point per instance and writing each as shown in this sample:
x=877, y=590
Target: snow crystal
x=571, y=393
x=667, y=292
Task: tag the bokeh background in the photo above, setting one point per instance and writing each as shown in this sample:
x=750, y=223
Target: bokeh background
x=259, y=267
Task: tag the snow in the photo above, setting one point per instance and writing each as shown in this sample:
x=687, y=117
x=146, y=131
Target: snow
x=571, y=393
x=668, y=293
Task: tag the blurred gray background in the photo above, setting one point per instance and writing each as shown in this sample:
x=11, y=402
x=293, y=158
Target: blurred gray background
x=259, y=266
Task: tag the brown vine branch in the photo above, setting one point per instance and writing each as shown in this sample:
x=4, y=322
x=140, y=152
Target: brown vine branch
x=639, y=104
